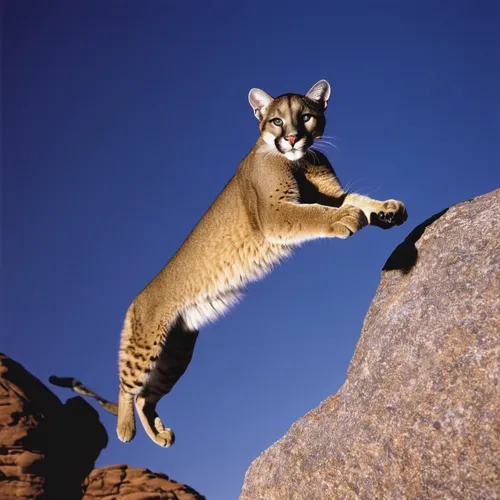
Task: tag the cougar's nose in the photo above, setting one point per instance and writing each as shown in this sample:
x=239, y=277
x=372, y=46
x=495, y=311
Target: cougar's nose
x=292, y=139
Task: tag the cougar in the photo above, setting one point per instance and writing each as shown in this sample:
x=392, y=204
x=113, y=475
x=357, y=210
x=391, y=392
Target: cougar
x=283, y=194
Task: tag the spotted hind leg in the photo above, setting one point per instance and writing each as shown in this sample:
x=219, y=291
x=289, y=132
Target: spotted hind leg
x=175, y=356
x=137, y=353
x=125, y=427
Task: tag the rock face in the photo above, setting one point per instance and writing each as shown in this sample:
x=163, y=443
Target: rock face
x=418, y=416
x=42, y=457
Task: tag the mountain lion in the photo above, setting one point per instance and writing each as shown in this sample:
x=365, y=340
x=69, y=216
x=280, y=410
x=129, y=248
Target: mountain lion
x=283, y=194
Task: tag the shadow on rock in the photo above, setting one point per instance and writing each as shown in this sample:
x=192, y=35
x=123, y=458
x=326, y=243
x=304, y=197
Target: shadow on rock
x=73, y=440
x=405, y=255
x=48, y=449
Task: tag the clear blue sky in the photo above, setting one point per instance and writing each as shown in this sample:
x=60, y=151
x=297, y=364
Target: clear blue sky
x=123, y=120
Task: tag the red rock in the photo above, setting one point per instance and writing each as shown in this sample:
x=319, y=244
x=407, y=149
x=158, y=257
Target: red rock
x=128, y=483
x=39, y=457
x=42, y=458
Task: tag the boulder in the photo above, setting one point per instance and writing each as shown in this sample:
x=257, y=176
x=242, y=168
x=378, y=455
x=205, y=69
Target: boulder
x=418, y=416
x=127, y=483
x=40, y=454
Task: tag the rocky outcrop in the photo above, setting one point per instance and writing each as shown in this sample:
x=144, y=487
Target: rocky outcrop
x=42, y=457
x=418, y=416
x=40, y=454
x=127, y=483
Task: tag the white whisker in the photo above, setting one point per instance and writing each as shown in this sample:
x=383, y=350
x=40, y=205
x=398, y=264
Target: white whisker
x=327, y=143
x=373, y=190
x=332, y=137
x=350, y=185
x=321, y=148
x=315, y=156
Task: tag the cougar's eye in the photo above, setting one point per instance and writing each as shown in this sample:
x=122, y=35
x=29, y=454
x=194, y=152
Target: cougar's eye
x=277, y=121
x=306, y=117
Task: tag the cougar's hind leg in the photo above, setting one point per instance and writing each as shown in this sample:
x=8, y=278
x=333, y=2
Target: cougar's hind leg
x=125, y=427
x=146, y=408
x=173, y=360
x=137, y=353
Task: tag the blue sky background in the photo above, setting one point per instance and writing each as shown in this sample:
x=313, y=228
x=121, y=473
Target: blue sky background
x=123, y=120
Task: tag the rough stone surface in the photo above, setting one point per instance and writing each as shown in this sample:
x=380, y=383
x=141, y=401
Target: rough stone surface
x=419, y=414
x=40, y=454
x=42, y=457
x=127, y=483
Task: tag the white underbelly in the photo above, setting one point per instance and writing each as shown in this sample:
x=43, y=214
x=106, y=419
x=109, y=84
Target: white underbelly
x=227, y=288
x=208, y=309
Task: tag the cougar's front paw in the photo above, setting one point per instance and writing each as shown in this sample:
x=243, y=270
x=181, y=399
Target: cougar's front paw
x=348, y=220
x=393, y=213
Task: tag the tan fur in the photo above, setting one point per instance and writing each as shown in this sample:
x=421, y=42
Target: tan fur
x=270, y=205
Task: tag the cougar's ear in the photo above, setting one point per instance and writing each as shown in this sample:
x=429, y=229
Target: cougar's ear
x=320, y=93
x=259, y=100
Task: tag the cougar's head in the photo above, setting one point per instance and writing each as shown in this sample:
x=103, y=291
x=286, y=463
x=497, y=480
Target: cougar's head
x=291, y=122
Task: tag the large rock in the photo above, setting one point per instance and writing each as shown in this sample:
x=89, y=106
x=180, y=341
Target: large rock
x=127, y=483
x=40, y=454
x=42, y=457
x=419, y=414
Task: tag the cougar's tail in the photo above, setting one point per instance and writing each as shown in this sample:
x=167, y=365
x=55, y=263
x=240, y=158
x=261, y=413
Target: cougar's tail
x=77, y=386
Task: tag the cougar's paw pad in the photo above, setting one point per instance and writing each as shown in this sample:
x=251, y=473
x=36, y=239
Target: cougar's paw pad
x=392, y=214
x=386, y=217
